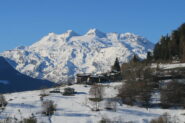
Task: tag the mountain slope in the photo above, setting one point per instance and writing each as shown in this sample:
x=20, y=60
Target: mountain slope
x=59, y=56
x=13, y=81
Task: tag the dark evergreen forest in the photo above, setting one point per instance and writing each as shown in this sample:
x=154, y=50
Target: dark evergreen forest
x=171, y=47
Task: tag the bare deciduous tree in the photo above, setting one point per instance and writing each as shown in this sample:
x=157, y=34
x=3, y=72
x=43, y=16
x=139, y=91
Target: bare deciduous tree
x=96, y=92
x=173, y=94
x=139, y=84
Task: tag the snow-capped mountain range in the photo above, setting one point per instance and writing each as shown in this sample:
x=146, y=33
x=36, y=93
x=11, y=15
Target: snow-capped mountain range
x=56, y=57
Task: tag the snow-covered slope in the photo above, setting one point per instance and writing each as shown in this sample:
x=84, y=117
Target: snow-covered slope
x=59, y=56
x=77, y=108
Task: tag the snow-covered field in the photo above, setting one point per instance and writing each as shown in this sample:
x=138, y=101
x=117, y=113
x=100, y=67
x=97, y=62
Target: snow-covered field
x=77, y=108
x=169, y=66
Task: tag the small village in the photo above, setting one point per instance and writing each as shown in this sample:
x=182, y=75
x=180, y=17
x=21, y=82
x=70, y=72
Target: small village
x=112, y=76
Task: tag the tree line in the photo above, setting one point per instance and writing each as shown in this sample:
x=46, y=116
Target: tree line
x=170, y=47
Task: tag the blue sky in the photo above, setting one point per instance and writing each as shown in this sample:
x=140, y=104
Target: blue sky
x=23, y=22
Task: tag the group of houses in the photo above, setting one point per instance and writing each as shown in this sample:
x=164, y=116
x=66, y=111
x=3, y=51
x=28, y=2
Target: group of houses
x=112, y=76
x=85, y=78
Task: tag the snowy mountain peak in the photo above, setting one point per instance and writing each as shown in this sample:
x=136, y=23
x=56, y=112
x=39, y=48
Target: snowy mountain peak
x=95, y=32
x=49, y=37
x=128, y=35
x=66, y=35
x=70, y=33
x=58, y=56
x=131, y=37
x=51, y=34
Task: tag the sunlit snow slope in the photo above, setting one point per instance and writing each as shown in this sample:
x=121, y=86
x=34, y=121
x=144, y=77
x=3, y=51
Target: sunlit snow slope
x=59, y=56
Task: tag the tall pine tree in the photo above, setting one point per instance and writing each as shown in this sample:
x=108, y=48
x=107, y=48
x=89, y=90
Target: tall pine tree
x=116, y=67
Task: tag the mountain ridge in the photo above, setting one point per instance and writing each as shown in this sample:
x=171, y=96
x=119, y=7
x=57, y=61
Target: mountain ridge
x=56, y=57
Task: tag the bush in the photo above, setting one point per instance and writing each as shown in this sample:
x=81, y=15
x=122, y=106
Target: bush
x=69, y=91
x=115, y=120
x=162, y=119
x=111, y=105
x=48, y=107
x=3, y=101
x=158, y=120
x=8, y=120
x=105, y=120
x=31, y=119
x=55, y=90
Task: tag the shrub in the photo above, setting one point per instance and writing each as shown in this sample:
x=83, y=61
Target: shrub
x=3, y=101
x=69, y=91
x=55, y=90
x=105, y=120
x=111, y=105
x=8, y=120
x=31, y=119
x=48, y=107
x=158, y=120
x=95, y=99
x=162, y=119
x=115, y=120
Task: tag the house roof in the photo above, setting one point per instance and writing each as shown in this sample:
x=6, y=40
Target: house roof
x=83, y=75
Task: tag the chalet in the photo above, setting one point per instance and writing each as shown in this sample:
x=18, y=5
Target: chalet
x=82, y=78
x=98, y=78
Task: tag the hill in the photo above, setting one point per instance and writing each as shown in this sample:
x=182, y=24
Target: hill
x=13, y=81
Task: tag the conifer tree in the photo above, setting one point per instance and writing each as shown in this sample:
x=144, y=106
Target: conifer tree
x=135, y=59
x=149, y=56
x=116, y=66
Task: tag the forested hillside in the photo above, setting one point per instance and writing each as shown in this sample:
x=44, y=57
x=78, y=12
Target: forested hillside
x=171, y=47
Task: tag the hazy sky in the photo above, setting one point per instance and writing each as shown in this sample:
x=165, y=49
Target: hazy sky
x=23, y=22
